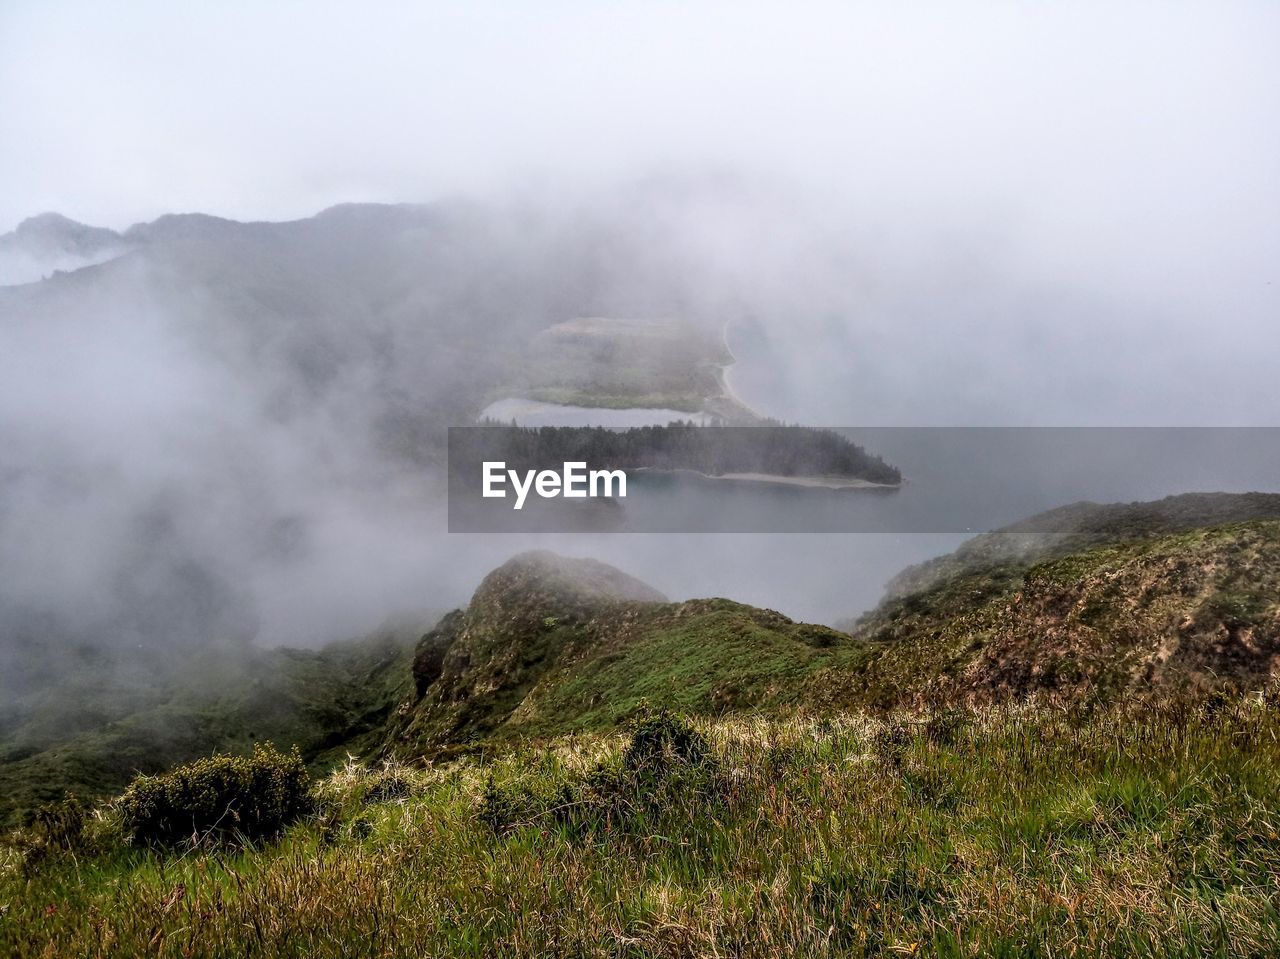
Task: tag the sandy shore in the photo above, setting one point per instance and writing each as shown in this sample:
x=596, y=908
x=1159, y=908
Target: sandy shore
x=775, y=479
x=815, y=482
x=527, y=412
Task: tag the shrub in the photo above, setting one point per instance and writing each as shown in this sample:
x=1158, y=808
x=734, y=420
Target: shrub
x=60, y=825
x=945, y=726
x=891, y=743
x=51, y=831
x=251, y=796
x=388, y=784
x=667, y=767
x=506, y=807
x=662, y=742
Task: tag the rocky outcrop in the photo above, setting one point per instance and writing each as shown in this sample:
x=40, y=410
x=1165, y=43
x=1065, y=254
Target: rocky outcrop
x=473, y=670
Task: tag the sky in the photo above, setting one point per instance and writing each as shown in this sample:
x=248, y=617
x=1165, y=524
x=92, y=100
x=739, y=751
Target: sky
x=1052, y=115
x=1133, y=144
x=989, y=213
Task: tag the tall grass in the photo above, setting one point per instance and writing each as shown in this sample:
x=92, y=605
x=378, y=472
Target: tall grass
x=1149, y=831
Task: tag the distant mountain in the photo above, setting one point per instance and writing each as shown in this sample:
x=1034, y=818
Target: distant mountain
x=408, y=317
x=261, y=372
x=50, y=242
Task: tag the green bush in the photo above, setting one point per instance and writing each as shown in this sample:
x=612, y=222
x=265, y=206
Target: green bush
x=662, y=742
x=543, y=802
x=389, y=784
x=891, y=742
x=945, y=726
x=51, y=831
x=666, y=769
x=220, y=796
x=60, y=825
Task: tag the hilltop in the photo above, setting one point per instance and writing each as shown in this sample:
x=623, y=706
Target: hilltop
x=1198, y=609
x=550, y=644
x=1088, y=600
x=1080, y=526
x=51, y=242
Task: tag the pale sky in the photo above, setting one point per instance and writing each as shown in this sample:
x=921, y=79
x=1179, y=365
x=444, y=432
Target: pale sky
x=1076, y=119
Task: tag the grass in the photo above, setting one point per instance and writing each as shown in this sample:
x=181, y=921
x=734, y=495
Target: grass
x=1152, y=831
x=717, y=657
x=620, y=364
x=1059, y=827
x=1192, y=607
x=534, y=674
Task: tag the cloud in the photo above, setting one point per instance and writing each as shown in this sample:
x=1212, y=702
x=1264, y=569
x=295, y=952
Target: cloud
x=924, y=213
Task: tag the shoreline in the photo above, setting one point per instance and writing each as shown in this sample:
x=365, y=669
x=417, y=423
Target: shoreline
x=777, y=479
x=528, y=412
x=735, y=411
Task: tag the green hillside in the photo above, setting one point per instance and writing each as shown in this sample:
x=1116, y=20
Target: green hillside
x=1078, y=527
x=1197, y=609
x=1067, y=748
x=323, y=701
x=1150, y=832
x=550, y=645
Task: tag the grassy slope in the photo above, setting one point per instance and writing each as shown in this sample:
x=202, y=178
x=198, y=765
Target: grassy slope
x=1080, y=527
x=550, y=645
x=702, y=657
x=538, y=660
x=1197, y=607
x=322, y=701
x=550, y=673
x=1150, y=834
x=623, y=363
x=1147, y=828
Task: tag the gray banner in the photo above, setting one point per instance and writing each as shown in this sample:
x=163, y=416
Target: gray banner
x=775, y=479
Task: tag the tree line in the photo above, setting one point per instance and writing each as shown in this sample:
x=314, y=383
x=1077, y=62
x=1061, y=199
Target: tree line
x=715, y=450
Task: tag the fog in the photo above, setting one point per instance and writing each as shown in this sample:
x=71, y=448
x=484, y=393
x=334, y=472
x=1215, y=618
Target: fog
x=995, y=215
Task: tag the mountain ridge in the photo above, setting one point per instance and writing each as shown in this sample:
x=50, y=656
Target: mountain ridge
x=551, y=645
x=1181, y=601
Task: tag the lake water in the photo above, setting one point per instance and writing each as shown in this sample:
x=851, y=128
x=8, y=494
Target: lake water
x=821, y=555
